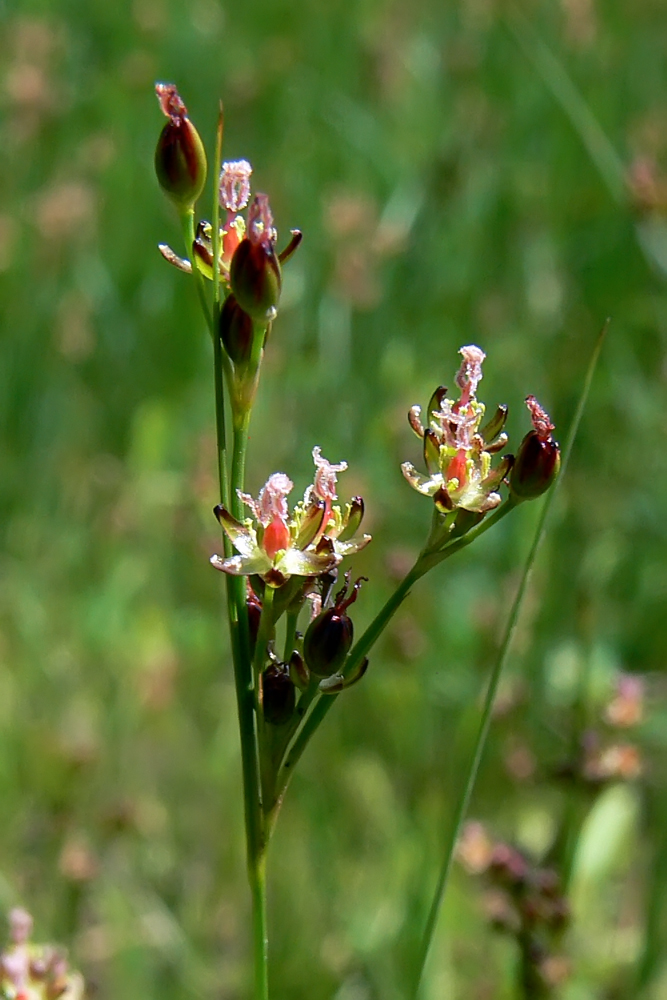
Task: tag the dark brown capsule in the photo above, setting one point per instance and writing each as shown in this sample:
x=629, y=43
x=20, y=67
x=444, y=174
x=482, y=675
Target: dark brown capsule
x=329, y=636
x=180, y=158
x=535, y=468
x=278, y=694
x=236, y=331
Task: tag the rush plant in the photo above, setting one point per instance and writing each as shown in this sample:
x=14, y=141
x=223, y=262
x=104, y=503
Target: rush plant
x=289, y=591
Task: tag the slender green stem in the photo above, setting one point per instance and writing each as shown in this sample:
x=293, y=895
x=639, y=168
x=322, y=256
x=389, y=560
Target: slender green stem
x=433, y=558
x=221, y=432
x=257, y=875
x=256, y=830
x=264, y=633
x=215, y=223
x=240, y=446
x=188, y=219
x=290, y=633
x=485, y=721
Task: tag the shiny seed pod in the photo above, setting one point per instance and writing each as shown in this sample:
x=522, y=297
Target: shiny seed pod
x=535, y=468
x=236, y=331
x=278, y=694
x=180, y=158
x=329, y=636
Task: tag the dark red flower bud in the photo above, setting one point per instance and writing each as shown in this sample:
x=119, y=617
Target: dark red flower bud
x=180, y=159
x=236, y=330
x=278, y=694
x=538, y=459
x=329, y=636
x=255, y=274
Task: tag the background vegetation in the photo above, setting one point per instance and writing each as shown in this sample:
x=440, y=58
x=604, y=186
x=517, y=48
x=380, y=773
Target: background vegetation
x=464, y=172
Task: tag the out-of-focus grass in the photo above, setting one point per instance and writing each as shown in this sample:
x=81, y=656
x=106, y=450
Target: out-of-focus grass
x=447, y=193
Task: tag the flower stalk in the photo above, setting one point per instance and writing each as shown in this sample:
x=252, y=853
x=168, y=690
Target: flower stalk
x=281, y=560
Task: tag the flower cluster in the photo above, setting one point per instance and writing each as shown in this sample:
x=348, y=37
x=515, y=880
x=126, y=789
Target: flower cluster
x=312, y=539
x=34, y=972
x=457, y=451
x=248, y=265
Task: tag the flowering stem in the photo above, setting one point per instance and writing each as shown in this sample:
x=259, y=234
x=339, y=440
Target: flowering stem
x=492, y=688
x=243, y=681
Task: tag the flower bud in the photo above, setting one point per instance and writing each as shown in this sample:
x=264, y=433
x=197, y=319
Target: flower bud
x=278, y=695
x=180, y=159
x=329, y=636
x=255, y=274
x=536, y=467
x=538, y=459
x=236, y=331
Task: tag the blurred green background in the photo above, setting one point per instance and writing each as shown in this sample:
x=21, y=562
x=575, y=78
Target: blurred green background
x=464, y=172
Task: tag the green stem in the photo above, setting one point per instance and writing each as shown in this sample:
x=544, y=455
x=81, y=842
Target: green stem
x=221, y=432
x=264, y=633
x=257, y=876
x=485, y=722
x=215, y=224
x=188, y=220
x=438, y=556
x=290, y=633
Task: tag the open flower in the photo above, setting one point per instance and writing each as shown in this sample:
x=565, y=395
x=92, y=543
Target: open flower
x=457, y=453
x=31, y=971
x=310, y=540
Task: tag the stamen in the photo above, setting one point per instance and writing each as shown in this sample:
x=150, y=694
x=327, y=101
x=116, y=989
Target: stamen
x=235, y=184
x=469, y=374
x=324, y=486
x=271, y=502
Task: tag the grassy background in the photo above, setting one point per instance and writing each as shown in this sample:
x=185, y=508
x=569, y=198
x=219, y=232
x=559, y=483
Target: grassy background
x=459, y=171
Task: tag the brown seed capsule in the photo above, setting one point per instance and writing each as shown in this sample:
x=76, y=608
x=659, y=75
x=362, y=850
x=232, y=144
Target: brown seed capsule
x=278, y=694
x=329, y=637
x=538, y=459
x=180, y=159
x=536, y=466
x=236, y=331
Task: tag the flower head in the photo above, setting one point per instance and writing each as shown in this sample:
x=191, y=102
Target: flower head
x=457, y=452
x=30, y=971
x=310, y=540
